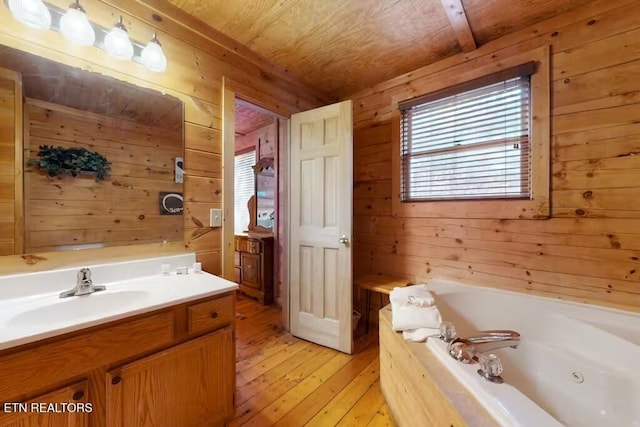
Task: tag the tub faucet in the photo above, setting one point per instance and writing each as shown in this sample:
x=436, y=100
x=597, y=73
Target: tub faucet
x=84, y=285
x=466, y=350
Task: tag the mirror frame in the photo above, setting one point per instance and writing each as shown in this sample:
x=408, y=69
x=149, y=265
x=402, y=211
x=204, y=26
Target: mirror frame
x=252, y=205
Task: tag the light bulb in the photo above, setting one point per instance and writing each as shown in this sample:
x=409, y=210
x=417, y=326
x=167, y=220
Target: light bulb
x=117, y=43
x=32, y=13
x=153, y=56
x=75, y=26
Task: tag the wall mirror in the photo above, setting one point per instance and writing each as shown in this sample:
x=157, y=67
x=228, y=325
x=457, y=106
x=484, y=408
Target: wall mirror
x=140, y=133
x=262, y=203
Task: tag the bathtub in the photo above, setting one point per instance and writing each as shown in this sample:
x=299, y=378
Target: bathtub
x=577, y=365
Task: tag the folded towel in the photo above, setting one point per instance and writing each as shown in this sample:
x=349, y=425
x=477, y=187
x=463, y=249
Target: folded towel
x=420, y=301
x=417, y=295
x=420, y=334
x=412, y=317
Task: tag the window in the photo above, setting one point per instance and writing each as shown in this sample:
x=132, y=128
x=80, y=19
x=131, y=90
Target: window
x=469, y=141
x=244, y=187
x=436, y=174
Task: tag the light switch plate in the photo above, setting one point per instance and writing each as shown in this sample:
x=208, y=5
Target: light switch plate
x=215, y=217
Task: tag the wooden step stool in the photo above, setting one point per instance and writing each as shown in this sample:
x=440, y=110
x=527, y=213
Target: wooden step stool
x=381, y=285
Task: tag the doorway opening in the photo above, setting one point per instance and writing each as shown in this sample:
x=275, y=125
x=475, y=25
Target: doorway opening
x=259, y=235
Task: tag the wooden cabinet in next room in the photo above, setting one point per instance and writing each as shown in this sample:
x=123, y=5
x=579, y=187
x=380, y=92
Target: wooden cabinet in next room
x=254, y=266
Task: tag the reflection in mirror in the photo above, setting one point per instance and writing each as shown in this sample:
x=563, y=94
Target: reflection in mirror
x=265, y=189
x=140, y=133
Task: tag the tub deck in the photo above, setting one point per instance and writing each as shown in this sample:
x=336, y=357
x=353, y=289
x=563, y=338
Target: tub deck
x=419, y=389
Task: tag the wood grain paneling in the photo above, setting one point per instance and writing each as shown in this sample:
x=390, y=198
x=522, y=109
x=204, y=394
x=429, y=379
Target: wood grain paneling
x=262, y=139
x=342, y=46
x=587, y=251
x=7, y=163
x=199, y=58
x=419, y=390
x=75, y=211
x=71, y=357
x=209, y=315
x=11, y=155
x=249, y=118
x=161, y=389
x=77, y=394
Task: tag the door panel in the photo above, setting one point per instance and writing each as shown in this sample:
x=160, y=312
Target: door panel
x=251, y=270
x=321, y=213
x=186, y=385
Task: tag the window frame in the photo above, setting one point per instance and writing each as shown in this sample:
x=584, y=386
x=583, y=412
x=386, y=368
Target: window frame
x=538, y=206
x=245, y=151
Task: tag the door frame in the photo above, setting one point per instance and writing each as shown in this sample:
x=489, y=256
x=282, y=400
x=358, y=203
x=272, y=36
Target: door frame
x=229, y=93
x=21, y=128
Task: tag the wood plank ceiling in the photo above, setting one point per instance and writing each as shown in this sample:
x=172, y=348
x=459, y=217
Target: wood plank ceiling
x=249, y=119
x=343, y=46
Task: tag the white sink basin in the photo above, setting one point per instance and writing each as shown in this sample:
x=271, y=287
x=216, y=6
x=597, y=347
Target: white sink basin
x=62, y=310
x=31, y=310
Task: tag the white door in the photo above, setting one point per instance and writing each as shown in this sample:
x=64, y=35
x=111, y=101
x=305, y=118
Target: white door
x=321, y=189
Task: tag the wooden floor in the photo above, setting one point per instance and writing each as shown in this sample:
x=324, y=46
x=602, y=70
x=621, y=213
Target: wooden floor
x=286, y=381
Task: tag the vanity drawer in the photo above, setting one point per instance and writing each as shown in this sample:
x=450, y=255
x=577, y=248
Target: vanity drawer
x=209, y=315
x=26, y=371
x=249, y=246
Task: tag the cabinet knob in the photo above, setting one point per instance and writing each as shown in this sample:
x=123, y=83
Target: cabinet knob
x=78, y=395
x=214, y=314
x=116, y=380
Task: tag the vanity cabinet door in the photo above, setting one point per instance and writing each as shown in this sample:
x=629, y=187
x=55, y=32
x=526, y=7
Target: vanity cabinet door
x=191, y=384
x=70, y=402
x=251, y=270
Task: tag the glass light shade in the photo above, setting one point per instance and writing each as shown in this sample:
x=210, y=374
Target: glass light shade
x=76, y=28
x=118, y=45
x=153, y=56
x=32, y=13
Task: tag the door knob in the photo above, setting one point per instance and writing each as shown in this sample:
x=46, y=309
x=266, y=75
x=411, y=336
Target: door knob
x=343, y=239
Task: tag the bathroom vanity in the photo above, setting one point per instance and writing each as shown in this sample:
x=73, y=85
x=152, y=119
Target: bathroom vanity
x=163, y=360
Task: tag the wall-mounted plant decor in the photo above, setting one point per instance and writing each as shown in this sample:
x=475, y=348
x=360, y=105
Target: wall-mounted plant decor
x=72, y=161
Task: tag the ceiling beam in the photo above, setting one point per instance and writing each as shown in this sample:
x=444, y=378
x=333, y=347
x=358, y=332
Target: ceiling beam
x=460, y=24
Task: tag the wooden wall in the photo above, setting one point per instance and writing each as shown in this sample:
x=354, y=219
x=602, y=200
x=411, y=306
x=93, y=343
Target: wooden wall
x=198, y=59
x=7, y=165
x=590, y=248
x=262, y=139
x=121, y=210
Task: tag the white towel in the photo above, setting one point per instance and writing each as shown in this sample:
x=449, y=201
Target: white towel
x=412, y=317
x=420, y=334
x=417, y=295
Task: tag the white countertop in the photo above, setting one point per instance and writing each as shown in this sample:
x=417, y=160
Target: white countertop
x=31, y=316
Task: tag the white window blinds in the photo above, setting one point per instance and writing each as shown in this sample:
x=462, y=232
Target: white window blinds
x=244, y=187
x=470, y=141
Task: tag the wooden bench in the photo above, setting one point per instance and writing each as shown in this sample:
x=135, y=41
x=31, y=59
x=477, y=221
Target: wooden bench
x=380, y=284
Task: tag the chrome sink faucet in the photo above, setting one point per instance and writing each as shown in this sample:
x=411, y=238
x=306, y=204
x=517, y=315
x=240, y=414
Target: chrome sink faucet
x=467, y=350
x=84, y=285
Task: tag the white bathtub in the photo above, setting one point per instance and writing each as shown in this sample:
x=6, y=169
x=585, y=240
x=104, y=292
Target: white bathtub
x=577, y=365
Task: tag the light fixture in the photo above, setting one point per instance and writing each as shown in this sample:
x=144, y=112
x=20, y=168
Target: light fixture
x=32, y=13
x=75, y=26
x=117, y=43
x=153, y=56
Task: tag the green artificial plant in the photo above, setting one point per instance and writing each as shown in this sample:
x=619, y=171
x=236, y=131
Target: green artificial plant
x=71, y=161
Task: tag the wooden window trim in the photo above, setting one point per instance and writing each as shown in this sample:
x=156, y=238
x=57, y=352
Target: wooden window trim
x=536, y=208
x=246, y=150
x=521, y=70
